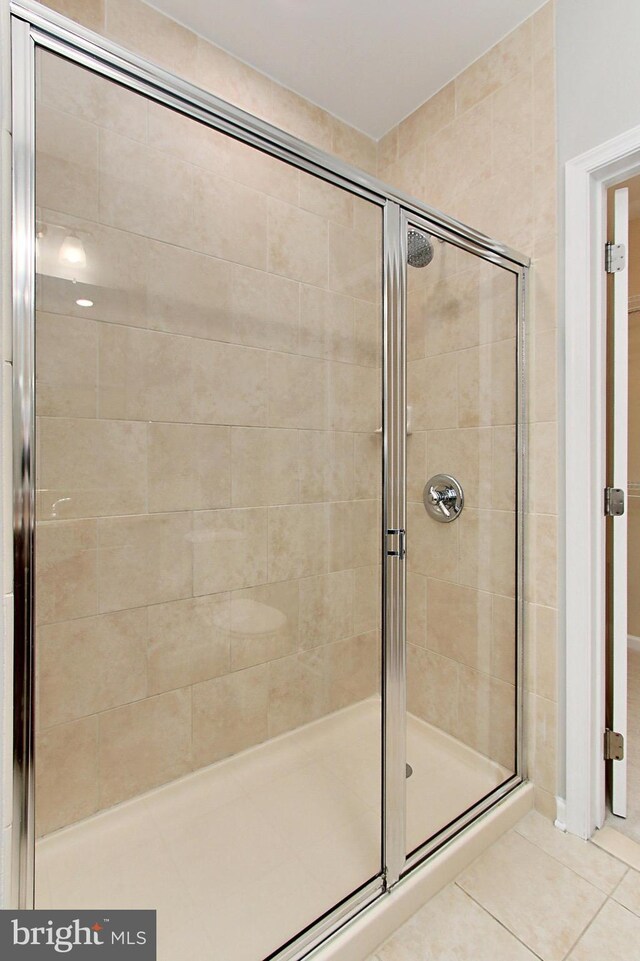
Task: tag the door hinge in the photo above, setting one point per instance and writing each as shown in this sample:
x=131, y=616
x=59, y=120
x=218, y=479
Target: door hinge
x=615, y=258
x=613, y=746
x=396, y=548
x=613, y=502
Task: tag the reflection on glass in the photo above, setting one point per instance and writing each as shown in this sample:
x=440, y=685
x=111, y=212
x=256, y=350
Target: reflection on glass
x=462, y=573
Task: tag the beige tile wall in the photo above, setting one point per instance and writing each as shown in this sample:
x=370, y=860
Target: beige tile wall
x=461, y=607
x=484, y=150
x=634, y=422
x=208, y=467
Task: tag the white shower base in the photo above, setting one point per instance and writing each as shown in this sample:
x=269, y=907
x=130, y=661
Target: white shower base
x=238, y=857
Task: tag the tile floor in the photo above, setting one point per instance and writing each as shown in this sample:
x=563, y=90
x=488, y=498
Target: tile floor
x=241, y=856
x=631, y=824
x=535, y=894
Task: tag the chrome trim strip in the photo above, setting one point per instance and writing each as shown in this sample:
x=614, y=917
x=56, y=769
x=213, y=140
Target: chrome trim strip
x=23, y=271
x=426, y=850
x=330, y=924
x=394, y=565
x=62, y=35
x=521, y=509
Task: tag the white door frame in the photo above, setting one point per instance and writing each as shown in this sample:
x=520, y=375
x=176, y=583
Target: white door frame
x=587, y=179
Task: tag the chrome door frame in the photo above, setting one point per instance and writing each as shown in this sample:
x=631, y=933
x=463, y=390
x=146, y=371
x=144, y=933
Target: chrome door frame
x=36, y=26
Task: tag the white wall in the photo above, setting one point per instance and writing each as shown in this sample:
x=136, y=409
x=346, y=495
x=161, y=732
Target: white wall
x=598, y=64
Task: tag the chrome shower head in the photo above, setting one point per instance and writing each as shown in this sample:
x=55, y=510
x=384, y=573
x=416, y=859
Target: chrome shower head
x=419, y=248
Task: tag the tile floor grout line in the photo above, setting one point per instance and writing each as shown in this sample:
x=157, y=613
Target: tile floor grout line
x=567, y=866
x=498, y=921
x=584, y=931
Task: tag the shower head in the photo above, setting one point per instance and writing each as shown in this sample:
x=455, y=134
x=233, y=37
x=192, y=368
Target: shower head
x=419, y=248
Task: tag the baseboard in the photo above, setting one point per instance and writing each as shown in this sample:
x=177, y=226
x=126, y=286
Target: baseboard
x=633, y=642
x=359, y=939
x=561, y=814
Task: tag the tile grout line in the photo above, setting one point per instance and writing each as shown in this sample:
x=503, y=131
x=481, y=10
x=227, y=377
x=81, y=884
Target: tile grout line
x=567, y=866
x=584, y=931
x=498, y=921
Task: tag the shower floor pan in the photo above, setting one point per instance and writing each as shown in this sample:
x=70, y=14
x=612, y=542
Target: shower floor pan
x=239, y=856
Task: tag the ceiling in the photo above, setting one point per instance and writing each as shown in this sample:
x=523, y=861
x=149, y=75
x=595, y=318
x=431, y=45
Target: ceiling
x=368, y=62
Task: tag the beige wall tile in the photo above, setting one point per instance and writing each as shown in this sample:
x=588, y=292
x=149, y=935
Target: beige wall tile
x=83, y=94
x=189, y=293
x=543, y=565
x=427, y=120
x=230, y=714
x=486, y=716
x=543, y=482
x=90, y=467
x=139, y=27
x=189, y=641
x=229, y=384
x=326, y=466
x=546, y=653
x=67, y=163
x=266, y=310
x=355, y=397
x=432, y=688
x=325, y=199
x=417, y=475
x=503, y=469
x=503, y=638
x=189, y=467
x=301, y=118
x=495, y=68
x=417, y=609
x=459, y=157
x=67, y=366
x=459, y=623
x=352, y=672
x=327, y=607
x=229, y=220
x=488, y=551
x=542, y=366
x=229, y=550
x=368, y=465
x=297, y=391
x=542, y=761
x=116, y=272
x=145, y=375
x=144, y=560
x=433, y=546
x=465, y=454
x=298, y=690
x=67, y=774
x=217, y=71
x=544, y=101
x=543, y=25
x=66, y=570
x=298, y=244
x=91, y=665
x=388, y=149
x=327, y=325
x=354, y=146
x=264, y=467
x=298, y=541
x=90, y=13
x=144, y=744
x=486, y=385
x=145, y=191
x=367, y=604
x=408, y=173
x=263, y=623
x=354, y=262
x=354, y=539
x=432, y=392
x=512, y=127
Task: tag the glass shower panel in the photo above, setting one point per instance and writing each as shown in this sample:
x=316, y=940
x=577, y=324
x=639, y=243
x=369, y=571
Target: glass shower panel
x=461, y=531
x=208, y=396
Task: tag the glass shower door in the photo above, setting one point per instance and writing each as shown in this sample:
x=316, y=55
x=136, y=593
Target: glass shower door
x=208, y=399
x=463, y=531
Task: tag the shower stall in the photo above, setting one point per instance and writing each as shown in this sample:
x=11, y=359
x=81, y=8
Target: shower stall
x=268, y=502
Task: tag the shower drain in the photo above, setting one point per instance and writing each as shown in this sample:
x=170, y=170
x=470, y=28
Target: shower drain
x=409, y=770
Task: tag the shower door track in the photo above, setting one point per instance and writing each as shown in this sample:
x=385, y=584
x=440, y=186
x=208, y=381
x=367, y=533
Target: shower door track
x=36, y=26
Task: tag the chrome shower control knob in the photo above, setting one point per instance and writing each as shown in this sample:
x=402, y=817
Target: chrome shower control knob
x=443, y=498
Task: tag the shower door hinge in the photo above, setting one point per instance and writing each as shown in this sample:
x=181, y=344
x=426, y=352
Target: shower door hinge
x=613, y=502
x=615, y=258
x=396, y=548
x=613, y=746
